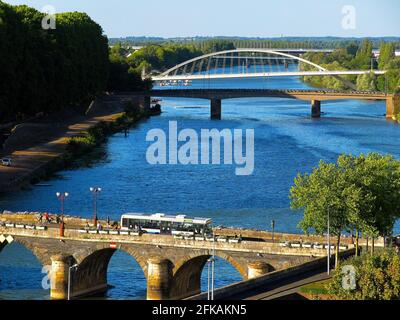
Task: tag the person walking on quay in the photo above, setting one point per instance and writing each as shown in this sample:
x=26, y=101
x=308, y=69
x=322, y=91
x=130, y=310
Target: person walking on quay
x=108, y=221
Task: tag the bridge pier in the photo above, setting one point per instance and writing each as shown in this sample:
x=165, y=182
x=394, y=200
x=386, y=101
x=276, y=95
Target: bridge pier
x=216, y=107
x=159, y=277
x=315, y=108
x=392, y=106
x=59, y=276
x=257, y=269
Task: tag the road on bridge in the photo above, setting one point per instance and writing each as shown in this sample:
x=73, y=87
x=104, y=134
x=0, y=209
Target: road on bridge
x=283, y=287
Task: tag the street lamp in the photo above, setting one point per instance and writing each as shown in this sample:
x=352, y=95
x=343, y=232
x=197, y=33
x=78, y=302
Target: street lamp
x=75, y=266
x=95, y=191
x=211, y=267
x=329, y=244
x=62, y=196
x=273, y=230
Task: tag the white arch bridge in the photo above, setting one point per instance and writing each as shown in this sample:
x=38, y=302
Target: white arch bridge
x=248, y=63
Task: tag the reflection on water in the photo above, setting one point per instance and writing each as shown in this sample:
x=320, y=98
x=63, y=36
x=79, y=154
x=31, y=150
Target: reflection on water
x=287, y=141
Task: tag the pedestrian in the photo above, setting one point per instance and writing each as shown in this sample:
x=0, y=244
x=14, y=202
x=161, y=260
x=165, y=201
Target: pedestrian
x=47, y=217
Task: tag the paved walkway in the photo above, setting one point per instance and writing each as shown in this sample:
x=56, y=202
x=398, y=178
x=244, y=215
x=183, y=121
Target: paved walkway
x=27, y=163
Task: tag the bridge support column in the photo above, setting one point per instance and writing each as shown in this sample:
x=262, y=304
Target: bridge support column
x=59, y=277
x=159, y=276
x=392, y=106
x=257, y=269
x=216, y=109
x=315, y=108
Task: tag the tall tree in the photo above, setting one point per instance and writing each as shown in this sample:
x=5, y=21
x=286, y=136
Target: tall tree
x=324, y=197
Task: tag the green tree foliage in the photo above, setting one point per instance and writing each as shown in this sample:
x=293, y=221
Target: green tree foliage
x=359, y=193
x=47, y=70
x=217, y=45
x=323, y=193
x=367, y=82
x=157, y=57
x=377, y=277
x=386, y=54
x=357, y=57
x=364, y=55
x=122, y=76
x=377, y=179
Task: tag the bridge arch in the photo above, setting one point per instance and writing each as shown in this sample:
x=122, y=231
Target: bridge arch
x=42, y=255
x=91, y=274
x=188, y=270
x=174, y=70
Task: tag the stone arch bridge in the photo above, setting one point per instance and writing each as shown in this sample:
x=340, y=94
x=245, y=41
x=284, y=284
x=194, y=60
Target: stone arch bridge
x=172, y=267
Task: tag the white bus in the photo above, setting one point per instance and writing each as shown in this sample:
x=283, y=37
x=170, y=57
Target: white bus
x=160, y=223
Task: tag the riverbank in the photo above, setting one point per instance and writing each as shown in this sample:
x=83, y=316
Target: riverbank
x=71, y=141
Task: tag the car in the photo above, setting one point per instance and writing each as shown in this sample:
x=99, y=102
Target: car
x=6, y=162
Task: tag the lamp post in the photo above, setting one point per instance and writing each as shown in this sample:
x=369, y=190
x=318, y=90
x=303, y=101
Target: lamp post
x=75, y=266
x=62, y=196
x=211, y=271
x=273, y=230
x=329, y=244
x=95, y=191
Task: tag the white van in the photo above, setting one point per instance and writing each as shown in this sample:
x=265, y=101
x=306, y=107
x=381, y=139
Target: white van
x=6, y=162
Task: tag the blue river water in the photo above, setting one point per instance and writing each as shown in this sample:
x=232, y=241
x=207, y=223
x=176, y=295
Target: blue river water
x=287, y=141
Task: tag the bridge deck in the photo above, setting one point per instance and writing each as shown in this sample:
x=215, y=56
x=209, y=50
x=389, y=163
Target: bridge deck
x=321, y=95
x=253, y=241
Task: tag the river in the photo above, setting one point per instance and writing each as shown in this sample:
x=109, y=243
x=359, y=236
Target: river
x=287, y=141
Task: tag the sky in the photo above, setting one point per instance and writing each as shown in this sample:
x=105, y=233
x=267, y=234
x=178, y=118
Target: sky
x=250, y=18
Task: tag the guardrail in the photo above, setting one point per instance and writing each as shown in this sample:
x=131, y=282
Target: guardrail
x=309, y=245
x=22, y=226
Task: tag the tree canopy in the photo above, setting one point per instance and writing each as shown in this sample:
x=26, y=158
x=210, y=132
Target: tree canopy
x=358, y=193
x=358, y=57
x=47, y=70
x=377, y=277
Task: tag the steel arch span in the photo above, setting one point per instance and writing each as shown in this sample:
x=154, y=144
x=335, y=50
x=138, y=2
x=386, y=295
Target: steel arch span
x=247, y=63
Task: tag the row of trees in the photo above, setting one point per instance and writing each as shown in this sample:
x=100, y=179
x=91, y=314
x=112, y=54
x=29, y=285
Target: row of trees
x=241, y=42
x=156, y=57
x=358, y=57
x=361, y=195
x=47, y=70
x=124, y=77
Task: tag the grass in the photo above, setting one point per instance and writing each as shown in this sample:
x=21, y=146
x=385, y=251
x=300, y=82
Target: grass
x=317, y=288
